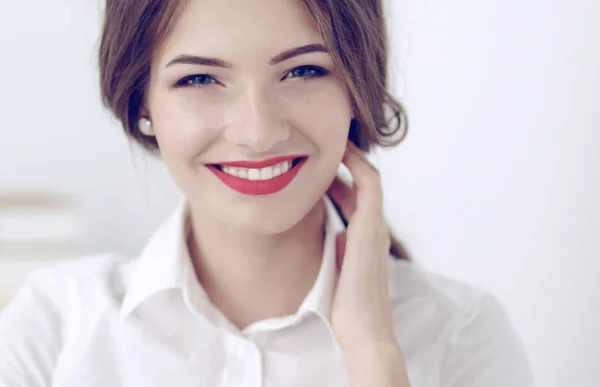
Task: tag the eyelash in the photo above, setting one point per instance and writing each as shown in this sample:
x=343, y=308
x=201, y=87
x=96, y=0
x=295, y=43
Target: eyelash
x=316, y=72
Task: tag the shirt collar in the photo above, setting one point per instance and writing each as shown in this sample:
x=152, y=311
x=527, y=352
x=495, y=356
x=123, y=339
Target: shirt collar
x=320, y=297
x=165, y=264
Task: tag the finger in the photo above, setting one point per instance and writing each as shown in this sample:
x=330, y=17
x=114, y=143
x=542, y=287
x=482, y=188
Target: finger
x=366, y=178
x=365, y=174
x=343, y=197
x=353, y=148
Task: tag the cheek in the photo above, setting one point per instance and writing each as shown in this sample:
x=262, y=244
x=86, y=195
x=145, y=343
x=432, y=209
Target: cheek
x=184, y=127
x=322, y=112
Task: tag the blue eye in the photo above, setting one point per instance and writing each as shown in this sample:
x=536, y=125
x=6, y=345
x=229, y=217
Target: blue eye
x=306, y=72
x=197, y=80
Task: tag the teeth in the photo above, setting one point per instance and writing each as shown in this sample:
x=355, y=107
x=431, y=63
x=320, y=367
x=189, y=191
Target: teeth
x=266, y=173
x=231, y=171
x=259, y=174
x=253, y=174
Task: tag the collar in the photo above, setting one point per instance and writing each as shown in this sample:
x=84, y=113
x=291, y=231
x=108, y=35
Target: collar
x=165, y=264
x=320, y=298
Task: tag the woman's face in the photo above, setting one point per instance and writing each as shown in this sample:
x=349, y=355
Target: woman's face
x=228, y=85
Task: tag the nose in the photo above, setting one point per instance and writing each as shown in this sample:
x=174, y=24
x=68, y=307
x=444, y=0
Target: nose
x=257, y=122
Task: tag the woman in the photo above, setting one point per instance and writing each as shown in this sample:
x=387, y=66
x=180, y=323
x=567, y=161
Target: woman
x=255, y=279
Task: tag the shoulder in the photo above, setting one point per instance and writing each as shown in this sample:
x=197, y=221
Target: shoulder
x=442, y=302
x=463, y=329
x=409, y=282
x=77, y=281
x=427, y=305
x=52, y=303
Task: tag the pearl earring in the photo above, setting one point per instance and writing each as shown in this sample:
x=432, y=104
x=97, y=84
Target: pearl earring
x=145, y=126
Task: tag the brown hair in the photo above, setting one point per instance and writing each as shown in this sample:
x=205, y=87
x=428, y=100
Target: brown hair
x=353, y=30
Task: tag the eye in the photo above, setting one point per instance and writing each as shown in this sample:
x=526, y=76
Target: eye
x=306, y=72
x=198, y=80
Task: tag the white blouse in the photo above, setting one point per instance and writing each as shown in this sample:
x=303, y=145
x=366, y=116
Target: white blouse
x=110, y=320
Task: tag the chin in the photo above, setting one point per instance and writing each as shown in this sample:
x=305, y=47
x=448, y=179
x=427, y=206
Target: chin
x=268, y=223
x=266, y=215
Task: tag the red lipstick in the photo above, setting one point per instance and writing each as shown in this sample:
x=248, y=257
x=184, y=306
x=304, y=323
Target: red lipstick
x=258, y=187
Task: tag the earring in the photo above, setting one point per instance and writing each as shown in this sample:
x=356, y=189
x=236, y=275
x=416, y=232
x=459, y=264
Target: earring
x=145, y=126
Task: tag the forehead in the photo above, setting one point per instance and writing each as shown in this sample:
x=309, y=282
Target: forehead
x=233, y=29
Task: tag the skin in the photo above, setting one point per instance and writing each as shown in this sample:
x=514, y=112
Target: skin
x=261, y=105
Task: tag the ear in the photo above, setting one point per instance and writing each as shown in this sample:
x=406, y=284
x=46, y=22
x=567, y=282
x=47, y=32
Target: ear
x=144, y=112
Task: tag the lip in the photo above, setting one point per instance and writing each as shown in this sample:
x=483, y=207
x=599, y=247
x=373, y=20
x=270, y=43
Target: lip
x=259, y=164
x=258, y=187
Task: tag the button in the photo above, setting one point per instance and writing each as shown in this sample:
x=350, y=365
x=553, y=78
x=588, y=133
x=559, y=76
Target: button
x=244, y=362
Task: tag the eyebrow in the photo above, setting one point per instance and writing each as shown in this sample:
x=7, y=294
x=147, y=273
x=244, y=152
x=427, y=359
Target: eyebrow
x=289, y=54
x=198, y=60
x=215, y=62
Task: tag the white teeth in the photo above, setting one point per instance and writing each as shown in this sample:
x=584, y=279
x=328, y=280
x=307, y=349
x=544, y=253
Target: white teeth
x=231, y=170
x=266, y=173
x=253, y=174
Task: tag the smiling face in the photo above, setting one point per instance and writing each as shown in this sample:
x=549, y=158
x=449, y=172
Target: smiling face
x=238, y=81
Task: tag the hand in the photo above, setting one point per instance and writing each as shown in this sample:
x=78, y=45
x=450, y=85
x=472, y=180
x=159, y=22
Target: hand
x=361, y=313
x=361, y=309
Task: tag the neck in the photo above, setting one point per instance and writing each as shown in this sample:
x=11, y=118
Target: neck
x=272, y=273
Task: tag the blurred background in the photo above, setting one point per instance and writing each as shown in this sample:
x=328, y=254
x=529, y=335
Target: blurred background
x=497, y=184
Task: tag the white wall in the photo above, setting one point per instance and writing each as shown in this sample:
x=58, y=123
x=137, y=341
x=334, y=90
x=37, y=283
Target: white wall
x=54, y=132
x=497, y=183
